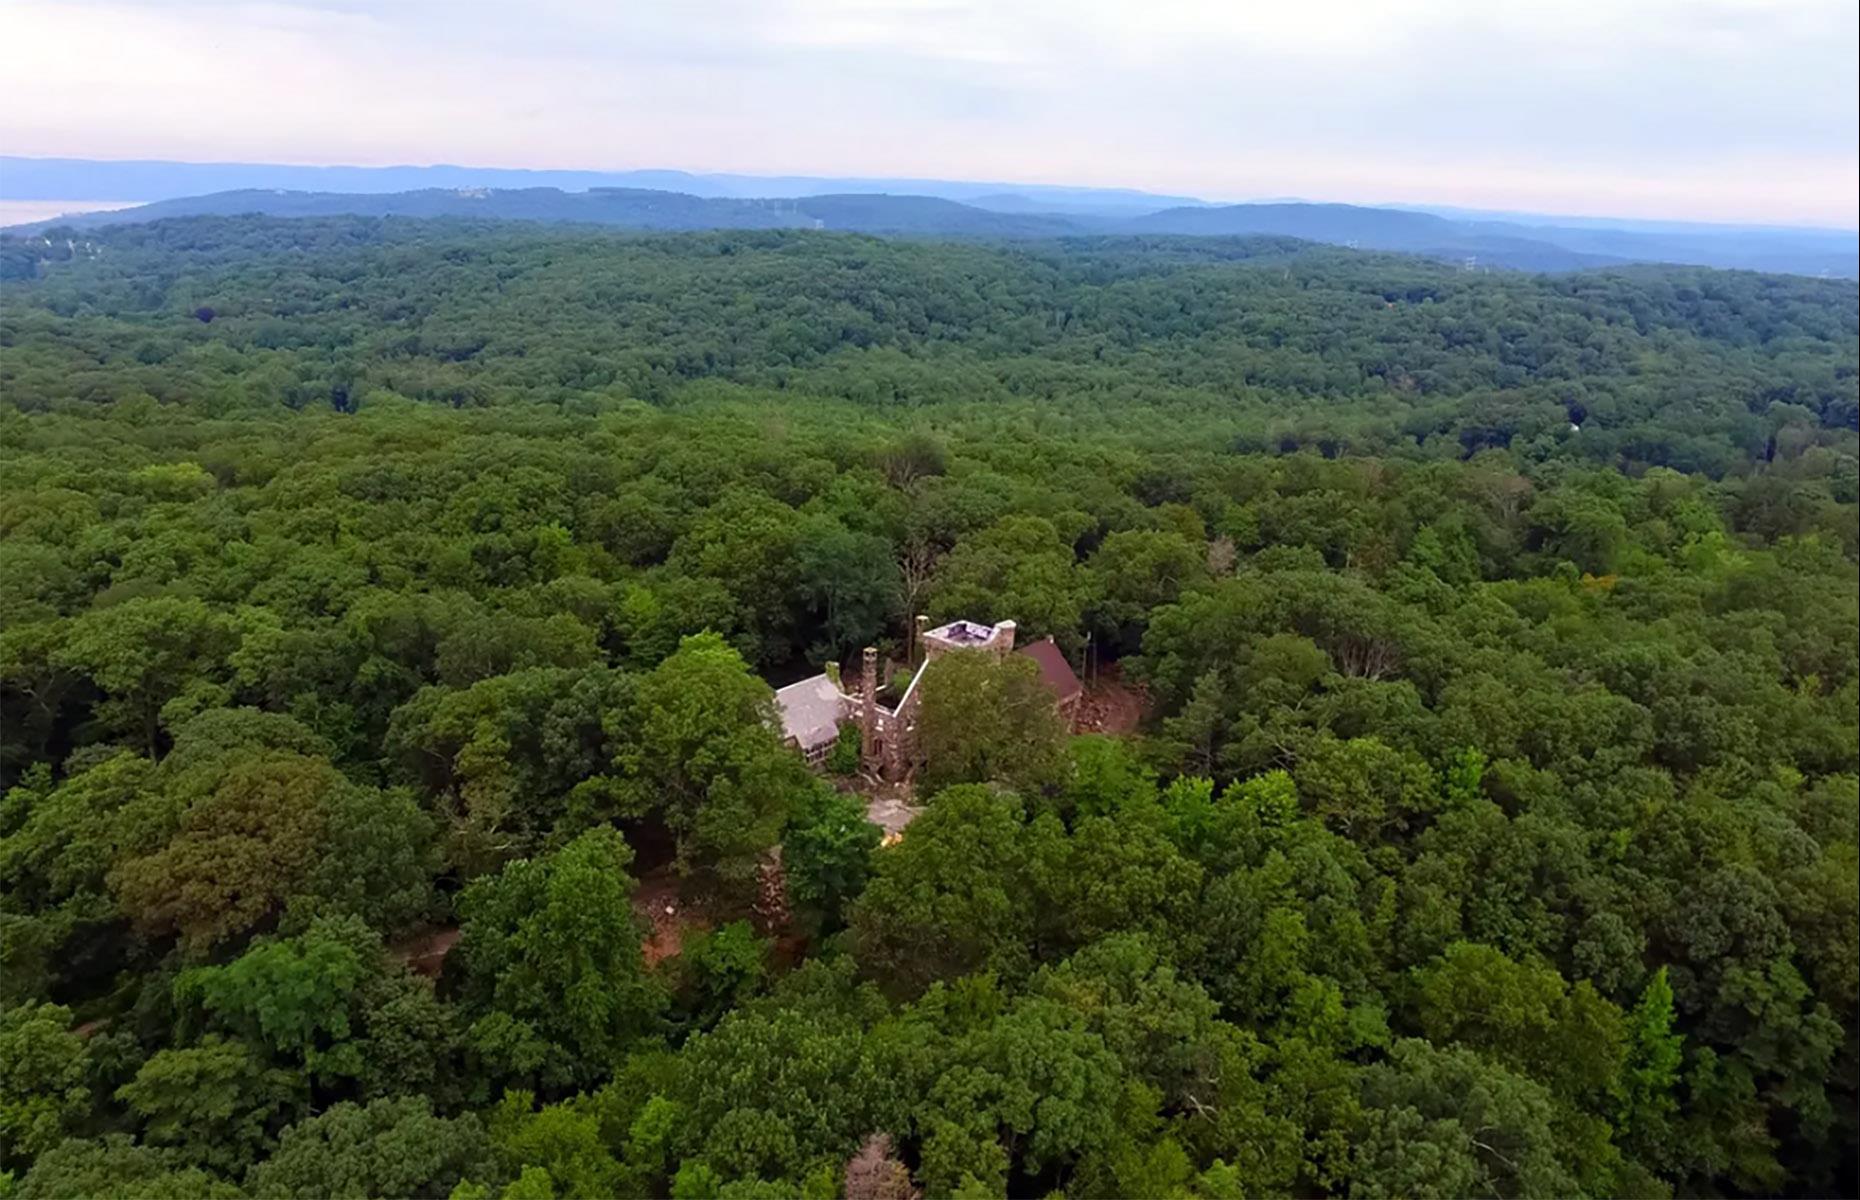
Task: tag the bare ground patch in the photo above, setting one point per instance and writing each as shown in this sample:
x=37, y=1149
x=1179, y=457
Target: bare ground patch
x=1111, y=705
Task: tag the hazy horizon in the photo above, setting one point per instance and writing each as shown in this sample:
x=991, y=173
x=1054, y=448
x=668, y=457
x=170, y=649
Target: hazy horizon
x=22, y=209
x=1742, y=111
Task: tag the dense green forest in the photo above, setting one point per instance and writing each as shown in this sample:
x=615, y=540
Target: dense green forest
x=1491, y=829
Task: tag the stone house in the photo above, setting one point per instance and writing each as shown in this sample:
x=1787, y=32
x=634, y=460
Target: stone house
x=813, y=709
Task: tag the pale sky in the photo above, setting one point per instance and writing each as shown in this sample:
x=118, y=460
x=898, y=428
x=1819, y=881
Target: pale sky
x=1738, y=110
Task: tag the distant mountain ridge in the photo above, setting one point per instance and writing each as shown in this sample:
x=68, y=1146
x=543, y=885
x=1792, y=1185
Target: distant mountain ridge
x=1374, y=228
x=634, y=208
x=1517, y=245
x=82, y=178
x=1494, y=244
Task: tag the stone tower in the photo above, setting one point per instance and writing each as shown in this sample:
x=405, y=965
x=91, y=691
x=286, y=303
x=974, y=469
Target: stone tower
x=868, y=705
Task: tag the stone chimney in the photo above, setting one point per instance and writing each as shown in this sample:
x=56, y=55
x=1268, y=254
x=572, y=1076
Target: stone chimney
x=1004, y=638
x=831, y=669
x=868, y=705
x=919, y=627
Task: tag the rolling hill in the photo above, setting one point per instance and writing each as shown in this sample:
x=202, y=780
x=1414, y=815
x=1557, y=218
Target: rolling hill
x=633, y=208
x=1483, y=244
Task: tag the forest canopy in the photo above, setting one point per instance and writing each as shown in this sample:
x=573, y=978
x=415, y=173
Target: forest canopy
x=371, y=586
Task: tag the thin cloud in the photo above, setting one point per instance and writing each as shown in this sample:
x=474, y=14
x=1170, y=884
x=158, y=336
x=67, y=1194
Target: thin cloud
x=1728, y=110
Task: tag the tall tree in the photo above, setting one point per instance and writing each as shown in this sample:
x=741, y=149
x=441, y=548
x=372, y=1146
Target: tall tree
x=551, y=967
x=955, y=895
x=703, y=751
x=981, y=719
x=44, y=1089
x=145, y=652
x=385, y=1148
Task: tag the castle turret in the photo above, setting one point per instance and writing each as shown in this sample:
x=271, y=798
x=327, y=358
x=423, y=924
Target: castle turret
x=962, y=635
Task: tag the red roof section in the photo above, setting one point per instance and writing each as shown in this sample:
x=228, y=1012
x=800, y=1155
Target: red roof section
x=1054, y=668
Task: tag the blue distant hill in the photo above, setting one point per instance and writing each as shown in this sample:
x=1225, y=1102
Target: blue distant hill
x=672, y=200
x=95, y=179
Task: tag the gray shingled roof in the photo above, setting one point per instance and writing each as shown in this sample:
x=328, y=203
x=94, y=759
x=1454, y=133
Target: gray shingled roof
x=810, y=711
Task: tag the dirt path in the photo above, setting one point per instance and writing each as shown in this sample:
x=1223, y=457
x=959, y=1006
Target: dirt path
x=1110, y=705
x=660, y=902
